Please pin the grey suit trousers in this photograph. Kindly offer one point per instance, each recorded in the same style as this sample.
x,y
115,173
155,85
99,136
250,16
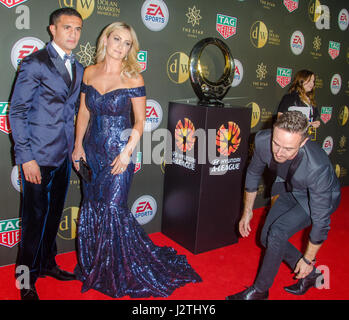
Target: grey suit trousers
x,y
285,218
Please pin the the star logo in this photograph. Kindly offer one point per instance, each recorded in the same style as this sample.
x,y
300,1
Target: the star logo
x,y
261,71
86,54
193,16
342,141
317,43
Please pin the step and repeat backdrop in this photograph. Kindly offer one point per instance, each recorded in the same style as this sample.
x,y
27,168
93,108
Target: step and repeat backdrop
x,y
270,41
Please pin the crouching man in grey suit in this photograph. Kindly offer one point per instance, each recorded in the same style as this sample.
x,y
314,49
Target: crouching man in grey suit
x,y
308,193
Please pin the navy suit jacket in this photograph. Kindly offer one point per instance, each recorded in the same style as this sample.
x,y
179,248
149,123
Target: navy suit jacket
x,y
311,179
42,108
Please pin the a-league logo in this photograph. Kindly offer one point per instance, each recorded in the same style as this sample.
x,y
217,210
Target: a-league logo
x,y
283,76
226,25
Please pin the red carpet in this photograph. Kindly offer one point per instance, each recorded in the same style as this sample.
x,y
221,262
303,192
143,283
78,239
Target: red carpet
x,y
224,271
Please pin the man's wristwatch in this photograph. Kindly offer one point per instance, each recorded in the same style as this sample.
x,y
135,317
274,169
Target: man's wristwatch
x,y
308,262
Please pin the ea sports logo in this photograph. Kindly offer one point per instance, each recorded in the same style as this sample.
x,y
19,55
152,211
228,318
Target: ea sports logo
x,y
228,138
153,115
155,14
24,47
184,135
327,145
144,209
343,19
16,178
297,42
239,73
336,83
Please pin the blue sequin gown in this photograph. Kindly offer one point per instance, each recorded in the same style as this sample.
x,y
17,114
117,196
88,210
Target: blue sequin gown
x,y
115,255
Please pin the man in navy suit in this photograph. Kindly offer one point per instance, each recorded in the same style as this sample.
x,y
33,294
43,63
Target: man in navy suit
x,y
308,193
42,122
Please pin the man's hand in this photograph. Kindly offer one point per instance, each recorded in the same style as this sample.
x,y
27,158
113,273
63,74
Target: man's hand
x,y
302,269
32,172
244,224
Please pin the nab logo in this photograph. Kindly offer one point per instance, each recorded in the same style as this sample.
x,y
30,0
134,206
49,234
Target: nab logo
x,y
24,47
259,34
144,209
84,7
155,14
177,67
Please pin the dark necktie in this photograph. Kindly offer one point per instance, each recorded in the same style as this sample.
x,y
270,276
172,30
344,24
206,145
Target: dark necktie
x,y
69,57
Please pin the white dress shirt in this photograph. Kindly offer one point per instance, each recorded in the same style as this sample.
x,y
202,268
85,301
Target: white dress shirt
x,y
61,53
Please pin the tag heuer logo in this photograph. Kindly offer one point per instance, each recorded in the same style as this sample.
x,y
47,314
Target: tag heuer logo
x,y
226,25
283,76
138,163
333,49
142,58
11,3
291,5
4,121
10,232
326,113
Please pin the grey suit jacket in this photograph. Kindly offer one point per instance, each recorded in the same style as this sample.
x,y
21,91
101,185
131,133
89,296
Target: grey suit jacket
x,y
311,179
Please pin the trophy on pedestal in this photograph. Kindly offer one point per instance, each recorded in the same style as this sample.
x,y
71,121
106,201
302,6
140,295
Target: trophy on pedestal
x,y
210,92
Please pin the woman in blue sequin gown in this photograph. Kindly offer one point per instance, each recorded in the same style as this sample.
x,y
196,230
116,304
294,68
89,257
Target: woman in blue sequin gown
x,y
115,255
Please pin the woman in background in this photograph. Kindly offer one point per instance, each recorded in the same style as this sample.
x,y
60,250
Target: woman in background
x,y
301,97
115,255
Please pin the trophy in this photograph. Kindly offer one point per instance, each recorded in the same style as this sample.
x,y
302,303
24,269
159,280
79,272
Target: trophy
x,y
210,92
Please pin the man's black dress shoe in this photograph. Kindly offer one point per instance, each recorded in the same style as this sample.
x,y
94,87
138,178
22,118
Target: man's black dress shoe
x,y
58,274
29,294
249,294
303,285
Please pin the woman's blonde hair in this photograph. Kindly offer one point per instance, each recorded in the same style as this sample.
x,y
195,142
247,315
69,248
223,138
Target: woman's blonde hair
x,y
300,78
130,66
